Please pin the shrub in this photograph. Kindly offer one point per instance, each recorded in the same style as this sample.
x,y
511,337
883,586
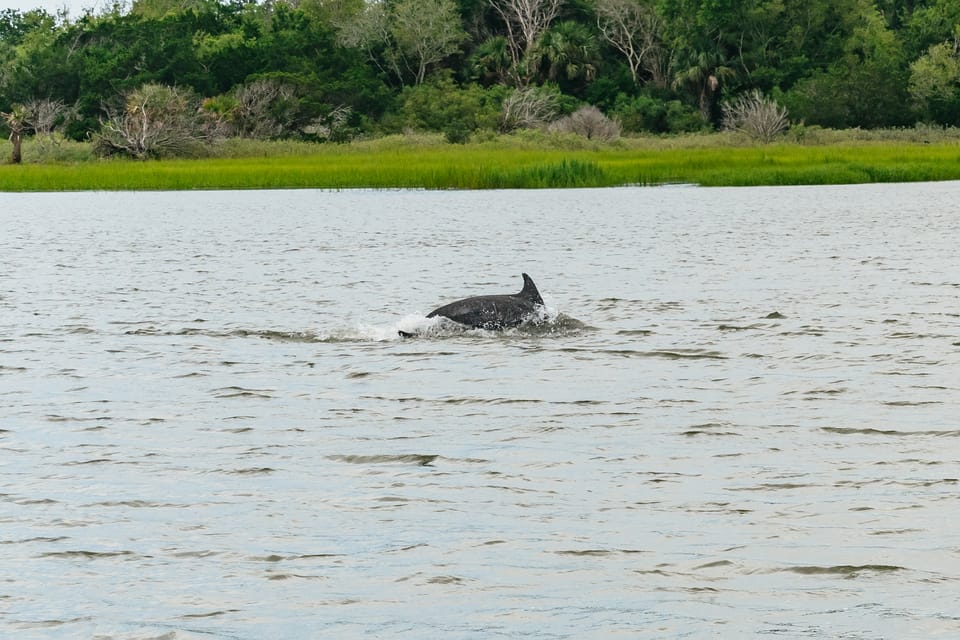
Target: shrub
x,y
528,108
441,105
682,118
649,113
589,122
156,121
755,115
267,107
641,113
332,127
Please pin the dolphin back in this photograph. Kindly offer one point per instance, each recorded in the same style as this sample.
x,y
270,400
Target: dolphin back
x,y
494,312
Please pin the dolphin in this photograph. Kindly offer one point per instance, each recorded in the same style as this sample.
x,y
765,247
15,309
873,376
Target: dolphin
x,y
492,312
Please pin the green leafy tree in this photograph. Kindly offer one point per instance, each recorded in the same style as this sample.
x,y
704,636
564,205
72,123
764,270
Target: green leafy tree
x,y
32,58
935,82
653,63
333,12
407,38
156,9
898,12
228,57
697,30
369,31
440,105
112,55
931,23
866,86
703,73
425,32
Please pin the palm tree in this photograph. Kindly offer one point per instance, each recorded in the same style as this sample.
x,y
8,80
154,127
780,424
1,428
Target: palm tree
x,y
17,122
491,61
703,74
569,51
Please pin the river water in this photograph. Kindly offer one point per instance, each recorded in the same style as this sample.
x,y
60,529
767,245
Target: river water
x,y
740,418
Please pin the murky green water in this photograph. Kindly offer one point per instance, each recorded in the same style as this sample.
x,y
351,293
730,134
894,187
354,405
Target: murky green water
x,y
743,419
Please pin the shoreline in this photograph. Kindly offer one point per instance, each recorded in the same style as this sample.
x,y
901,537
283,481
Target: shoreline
x,y
526,162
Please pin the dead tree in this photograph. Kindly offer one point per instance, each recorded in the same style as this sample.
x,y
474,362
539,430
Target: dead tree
x,y
525,20
527,108
635,30
156,121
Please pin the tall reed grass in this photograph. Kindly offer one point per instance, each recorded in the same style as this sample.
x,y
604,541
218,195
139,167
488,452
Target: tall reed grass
x,y
525,161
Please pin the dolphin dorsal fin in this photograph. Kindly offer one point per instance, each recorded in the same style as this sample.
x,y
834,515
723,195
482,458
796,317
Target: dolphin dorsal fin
x,y
529,291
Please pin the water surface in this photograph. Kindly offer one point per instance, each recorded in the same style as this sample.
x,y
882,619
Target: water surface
x,y
741,418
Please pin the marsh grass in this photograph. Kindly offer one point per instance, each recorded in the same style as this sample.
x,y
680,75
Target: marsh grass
x,y
529,160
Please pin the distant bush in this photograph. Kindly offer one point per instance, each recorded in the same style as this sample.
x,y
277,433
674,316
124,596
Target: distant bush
x,y
441,105
647,113
920,133
528,108
537,139
156,121
55,148
641,113
267,107
755,115
251,148
682,118
589,122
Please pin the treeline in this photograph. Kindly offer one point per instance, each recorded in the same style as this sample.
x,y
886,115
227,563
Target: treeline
x,y
336,69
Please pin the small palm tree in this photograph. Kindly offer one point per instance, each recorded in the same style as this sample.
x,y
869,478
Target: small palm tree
x,y
18,122
703,74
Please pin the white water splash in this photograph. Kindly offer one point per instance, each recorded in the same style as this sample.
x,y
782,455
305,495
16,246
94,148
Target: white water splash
x,y
415,324
420,325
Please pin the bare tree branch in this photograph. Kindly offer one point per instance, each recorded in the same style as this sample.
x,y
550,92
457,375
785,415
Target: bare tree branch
x,y
43,114
525,20
634,28
267,108
527,108
156,121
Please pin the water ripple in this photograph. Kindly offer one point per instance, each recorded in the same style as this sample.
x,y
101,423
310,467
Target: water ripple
x,y
739,407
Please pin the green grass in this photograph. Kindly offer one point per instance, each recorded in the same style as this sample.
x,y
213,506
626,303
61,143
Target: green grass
x,y
526,161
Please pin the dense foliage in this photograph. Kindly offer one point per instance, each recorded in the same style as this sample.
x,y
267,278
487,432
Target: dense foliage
x,y
334,69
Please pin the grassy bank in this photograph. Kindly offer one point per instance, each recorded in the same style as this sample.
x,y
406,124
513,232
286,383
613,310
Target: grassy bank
x,y
503,162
